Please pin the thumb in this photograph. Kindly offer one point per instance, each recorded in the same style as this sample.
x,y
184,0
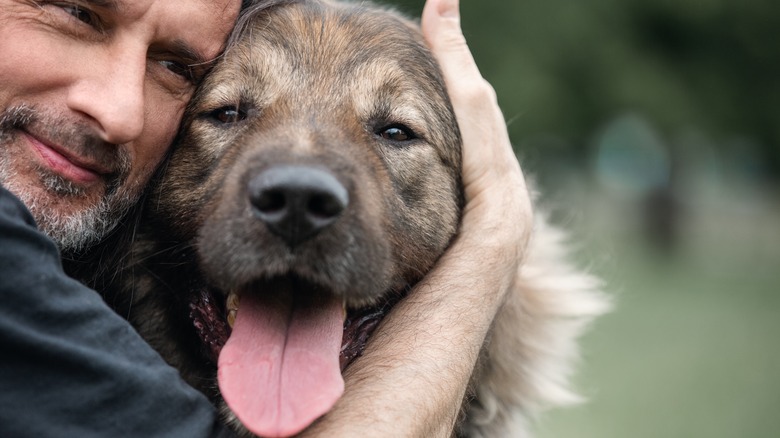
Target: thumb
x,y
486,147
492,179
441,29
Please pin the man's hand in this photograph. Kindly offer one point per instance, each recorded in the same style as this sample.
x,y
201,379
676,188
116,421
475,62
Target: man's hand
x,y
496,194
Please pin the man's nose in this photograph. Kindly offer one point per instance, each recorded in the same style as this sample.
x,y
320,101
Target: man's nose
x,y
110,90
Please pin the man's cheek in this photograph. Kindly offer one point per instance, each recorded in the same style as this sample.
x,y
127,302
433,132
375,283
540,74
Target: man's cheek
x,y
161,127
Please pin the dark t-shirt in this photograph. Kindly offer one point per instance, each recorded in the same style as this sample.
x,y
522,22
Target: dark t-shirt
x,y
69,365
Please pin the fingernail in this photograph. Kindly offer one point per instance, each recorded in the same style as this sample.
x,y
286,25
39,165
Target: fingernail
x,y
448,8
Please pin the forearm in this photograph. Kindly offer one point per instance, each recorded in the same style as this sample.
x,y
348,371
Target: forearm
x,y
71,366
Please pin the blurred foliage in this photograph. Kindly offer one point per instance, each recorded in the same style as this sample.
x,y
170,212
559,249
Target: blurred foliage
x,y
564,68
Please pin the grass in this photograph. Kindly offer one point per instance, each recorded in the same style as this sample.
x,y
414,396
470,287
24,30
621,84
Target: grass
x,y
692,348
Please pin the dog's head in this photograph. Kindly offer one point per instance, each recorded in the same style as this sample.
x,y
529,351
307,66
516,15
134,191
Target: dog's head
x,y
319,168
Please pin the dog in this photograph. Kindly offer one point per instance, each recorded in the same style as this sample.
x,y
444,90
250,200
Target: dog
x,y
315,181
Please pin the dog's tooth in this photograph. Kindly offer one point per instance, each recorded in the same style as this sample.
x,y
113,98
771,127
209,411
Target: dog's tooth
x,y
231,317
232,301
232,308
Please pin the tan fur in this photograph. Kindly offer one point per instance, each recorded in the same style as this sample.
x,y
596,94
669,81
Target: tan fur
x,y
533,347
317,82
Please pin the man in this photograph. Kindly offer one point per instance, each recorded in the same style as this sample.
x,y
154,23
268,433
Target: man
x,y
91,94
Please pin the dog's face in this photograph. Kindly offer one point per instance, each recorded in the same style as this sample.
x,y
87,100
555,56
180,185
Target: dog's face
x,y
318,169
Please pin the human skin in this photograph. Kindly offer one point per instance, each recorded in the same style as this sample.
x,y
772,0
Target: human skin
x,y
413,376
92,94
75,77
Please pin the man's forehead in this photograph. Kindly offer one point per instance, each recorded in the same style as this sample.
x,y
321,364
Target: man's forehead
x,y
122,5
223,13
207,12
194,27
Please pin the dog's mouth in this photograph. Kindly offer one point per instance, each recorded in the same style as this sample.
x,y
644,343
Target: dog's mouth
x,y
280,346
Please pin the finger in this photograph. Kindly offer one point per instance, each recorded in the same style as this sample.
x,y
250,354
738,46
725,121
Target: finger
x,y
486,145
441,29
491,173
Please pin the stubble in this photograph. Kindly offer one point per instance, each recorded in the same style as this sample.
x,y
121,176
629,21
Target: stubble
x,y
62,209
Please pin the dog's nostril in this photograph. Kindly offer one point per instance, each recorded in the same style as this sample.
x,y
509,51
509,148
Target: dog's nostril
x,y
297,202
325,206
270,201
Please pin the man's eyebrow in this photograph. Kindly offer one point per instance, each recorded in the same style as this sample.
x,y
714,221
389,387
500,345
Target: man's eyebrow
x,y
187,53
105,4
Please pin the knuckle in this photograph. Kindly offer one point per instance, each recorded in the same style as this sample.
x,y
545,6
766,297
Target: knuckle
x,y
478,93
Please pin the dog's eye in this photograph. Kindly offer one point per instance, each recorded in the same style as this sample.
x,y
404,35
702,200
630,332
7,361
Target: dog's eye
x,y
228,114
397,133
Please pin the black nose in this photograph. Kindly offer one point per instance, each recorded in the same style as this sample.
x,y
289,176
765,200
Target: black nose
x,y
297,202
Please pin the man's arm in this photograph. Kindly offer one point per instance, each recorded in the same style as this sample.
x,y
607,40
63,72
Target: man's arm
x,y
70,366
413,376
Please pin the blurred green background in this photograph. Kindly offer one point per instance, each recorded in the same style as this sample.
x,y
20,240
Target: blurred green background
x,y
653,129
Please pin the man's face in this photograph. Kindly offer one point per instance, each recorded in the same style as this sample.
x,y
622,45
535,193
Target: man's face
x,y
91,95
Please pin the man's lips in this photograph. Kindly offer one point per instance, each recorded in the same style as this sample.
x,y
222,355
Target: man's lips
x,y
65,163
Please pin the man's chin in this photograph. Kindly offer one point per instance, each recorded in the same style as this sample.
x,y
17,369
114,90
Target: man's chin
x,y
78,230
75,212
73,217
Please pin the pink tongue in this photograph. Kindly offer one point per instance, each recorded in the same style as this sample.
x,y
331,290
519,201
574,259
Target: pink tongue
x,y
279,370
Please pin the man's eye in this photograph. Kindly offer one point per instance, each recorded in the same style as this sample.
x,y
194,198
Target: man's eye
x,y
79,13
180,69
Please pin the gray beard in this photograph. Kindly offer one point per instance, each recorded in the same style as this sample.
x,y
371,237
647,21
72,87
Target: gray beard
x,y
72,232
